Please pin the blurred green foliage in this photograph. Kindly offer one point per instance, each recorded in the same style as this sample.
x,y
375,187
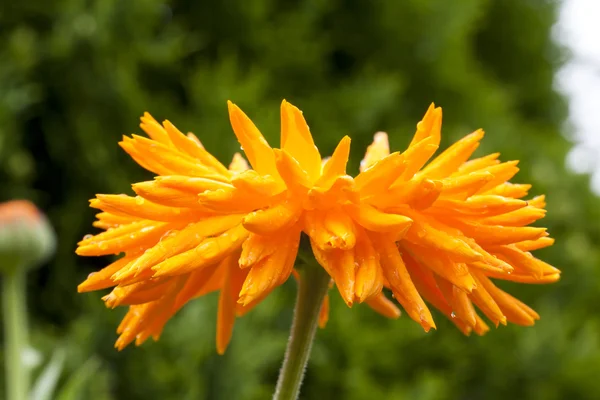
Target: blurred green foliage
x,y
76,74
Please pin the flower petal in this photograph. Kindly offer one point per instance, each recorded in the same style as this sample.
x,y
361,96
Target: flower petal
x,y
209,251
430,126
382,305
255,146
376,151
399,279
336,165
452,158
297,140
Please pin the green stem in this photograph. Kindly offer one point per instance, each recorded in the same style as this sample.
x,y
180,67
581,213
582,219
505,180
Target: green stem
x,y
15,334
312,287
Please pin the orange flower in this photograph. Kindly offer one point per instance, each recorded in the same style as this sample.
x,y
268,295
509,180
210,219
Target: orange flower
x,y
164,228
440,231
469,224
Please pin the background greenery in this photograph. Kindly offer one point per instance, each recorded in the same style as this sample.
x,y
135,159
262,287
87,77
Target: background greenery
x,y
76,74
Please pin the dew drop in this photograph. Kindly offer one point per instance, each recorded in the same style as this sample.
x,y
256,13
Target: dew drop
x,y
88,237
453,315
91,274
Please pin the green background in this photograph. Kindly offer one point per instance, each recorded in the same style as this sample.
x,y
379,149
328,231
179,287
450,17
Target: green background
x,y
76,74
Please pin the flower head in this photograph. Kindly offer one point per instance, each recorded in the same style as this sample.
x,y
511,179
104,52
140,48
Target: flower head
x,y
26,237
435,232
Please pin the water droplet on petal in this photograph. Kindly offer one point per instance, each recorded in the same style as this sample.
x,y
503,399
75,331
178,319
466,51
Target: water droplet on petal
x,y
88,236
453,315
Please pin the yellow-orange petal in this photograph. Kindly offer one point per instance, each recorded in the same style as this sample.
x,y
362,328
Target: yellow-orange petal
x,y
459,301
272,270
340,229
194,149
341,191
425,282
101,279
452,158
538,201
111,219
190,184
478,164
486,303
179,241
154,129
331,229
464,186
336,165
140,235
369,276
430,126
374,220
171,159
231,200
502,173
525,278
270,220
226,309
340,265
297,140
238,163
497,234
417,155
382,305
439,262
400,282
379,176
167,196
130,208
137,293
518,259
252,182
507,189
200,283
295,177
424,234
531,245
324,312
209,251
255,146
256,248
514,310
480,205
376,151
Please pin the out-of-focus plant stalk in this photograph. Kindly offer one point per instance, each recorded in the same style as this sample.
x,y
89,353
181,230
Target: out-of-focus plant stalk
x,y
15,334
312,288
26,241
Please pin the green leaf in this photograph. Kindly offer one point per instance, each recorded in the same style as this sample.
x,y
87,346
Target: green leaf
x,y
45,385
74,388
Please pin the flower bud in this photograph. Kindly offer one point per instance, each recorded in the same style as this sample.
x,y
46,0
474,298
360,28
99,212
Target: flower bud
x,y
26,237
